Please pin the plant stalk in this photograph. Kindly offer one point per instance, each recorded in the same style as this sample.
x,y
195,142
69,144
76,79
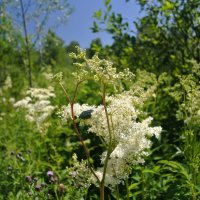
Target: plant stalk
x,y
27,45
102,187
86,151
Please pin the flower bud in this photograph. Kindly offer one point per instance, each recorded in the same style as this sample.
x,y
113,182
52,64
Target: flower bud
x,y
38,187
28,179
50,174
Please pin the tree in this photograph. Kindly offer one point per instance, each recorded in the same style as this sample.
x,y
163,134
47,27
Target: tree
x,y
9,49
177,26
71,47
167,35
53,50
32,17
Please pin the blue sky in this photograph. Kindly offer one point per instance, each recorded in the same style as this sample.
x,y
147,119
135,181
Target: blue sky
x,y
78,26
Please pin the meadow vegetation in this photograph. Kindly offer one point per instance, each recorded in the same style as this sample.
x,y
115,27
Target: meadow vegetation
x,y
119,121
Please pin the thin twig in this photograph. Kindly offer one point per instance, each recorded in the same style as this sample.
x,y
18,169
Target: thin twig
x,y
26,44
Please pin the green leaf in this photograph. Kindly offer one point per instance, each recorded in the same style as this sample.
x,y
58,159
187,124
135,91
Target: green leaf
x,y
167,6
150,171
134,186
109,8
176,167
95,27
98,14
106,2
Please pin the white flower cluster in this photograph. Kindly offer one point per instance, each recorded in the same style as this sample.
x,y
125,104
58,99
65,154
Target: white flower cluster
x,y
187,94
130,139
104,71
38,106
5,97
7,85
121,113
98,69
130,149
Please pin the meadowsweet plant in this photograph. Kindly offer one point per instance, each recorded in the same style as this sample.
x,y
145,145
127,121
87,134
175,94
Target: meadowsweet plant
x,y
189,109
80,174
6,100
38,106
187,94
125,138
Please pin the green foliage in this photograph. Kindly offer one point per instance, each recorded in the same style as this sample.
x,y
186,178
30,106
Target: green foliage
x,y
164,54
53,51
167,37
37,15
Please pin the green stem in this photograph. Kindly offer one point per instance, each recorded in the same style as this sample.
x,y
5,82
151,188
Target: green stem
x,y
117,192
65,92
109,145
127,189
102,191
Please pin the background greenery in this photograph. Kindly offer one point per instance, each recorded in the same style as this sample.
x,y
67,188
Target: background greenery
x,y
165,52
